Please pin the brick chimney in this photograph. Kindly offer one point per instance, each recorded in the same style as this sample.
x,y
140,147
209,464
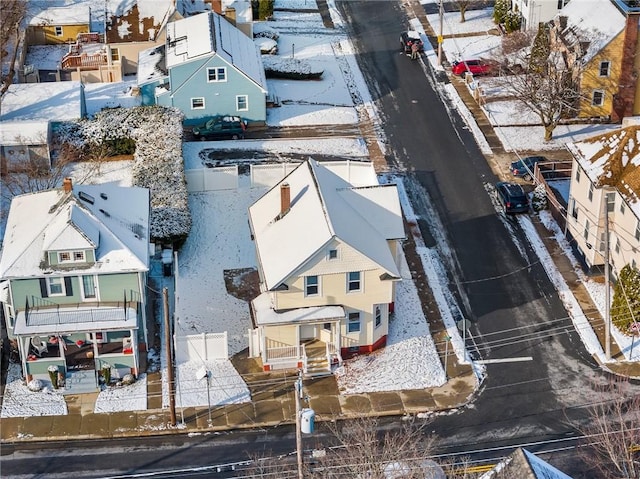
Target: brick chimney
x,y
67,185
285,199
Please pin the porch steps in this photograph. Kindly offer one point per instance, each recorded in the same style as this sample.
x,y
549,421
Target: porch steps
x,y
317,364
80,382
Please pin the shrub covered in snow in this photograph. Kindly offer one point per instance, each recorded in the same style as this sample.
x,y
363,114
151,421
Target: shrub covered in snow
x,y
291,68
158,163
262,30
539,200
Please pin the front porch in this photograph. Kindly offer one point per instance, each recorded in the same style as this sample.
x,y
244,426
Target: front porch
x,y
304,338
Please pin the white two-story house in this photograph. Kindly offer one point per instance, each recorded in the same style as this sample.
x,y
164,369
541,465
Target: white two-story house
x,y
327,239
605,183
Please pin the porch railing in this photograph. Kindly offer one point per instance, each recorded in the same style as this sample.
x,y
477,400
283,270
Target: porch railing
x,y
284,352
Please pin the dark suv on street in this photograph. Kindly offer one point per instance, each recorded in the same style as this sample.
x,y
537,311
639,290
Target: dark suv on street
x,y
512,197
221,127
407,39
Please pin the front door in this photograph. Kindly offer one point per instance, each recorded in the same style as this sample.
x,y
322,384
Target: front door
x,y
307,332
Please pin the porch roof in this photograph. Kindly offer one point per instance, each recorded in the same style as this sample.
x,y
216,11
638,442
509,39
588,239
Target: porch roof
x,y
265,315
75,320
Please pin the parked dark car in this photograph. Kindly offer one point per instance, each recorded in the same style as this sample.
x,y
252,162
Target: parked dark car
x,y
512,197
221,127
477,67
407,39
524,167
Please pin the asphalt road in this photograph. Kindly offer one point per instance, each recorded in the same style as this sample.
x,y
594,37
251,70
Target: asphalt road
x,y
499,284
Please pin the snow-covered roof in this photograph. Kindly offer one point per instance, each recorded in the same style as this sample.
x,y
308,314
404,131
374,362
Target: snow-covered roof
x,y
69,15
24,133
244,13
55,101
594,21
113,219
266,315
522,463
613,159
137,20
337,200
151,64
210,34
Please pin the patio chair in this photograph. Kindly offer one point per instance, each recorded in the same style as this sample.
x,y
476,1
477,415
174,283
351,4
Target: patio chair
x,y
39,346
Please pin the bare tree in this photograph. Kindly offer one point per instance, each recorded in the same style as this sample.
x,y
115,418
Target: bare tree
x,y
612,435
462,6
360,450
36,173
12,14
550,91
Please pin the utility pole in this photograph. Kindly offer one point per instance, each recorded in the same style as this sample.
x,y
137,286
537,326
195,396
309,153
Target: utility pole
x,y
447,338
607,292
298,425
167,342
440,36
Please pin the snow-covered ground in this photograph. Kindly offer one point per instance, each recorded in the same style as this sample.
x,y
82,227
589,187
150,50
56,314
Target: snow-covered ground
x,y
220,219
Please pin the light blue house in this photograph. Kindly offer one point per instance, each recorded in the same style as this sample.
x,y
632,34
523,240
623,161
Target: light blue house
x,y
74,278
207,67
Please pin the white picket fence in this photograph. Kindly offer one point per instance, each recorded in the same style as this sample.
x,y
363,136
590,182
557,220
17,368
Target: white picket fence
x,y
201,347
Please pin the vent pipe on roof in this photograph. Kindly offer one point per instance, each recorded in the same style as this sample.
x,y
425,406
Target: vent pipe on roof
x,y
67,185
285,199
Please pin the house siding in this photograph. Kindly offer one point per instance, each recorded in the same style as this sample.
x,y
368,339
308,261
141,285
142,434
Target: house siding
x,y
591,81
189,80
622,226
46,34
111,288
129,51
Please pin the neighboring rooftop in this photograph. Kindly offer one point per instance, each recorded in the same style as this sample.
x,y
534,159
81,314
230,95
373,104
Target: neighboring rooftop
x,y
597,22
69,15
54,101
112,219
613,159
210,34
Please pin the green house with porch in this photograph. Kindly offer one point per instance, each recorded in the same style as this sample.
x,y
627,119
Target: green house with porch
x,y
74,276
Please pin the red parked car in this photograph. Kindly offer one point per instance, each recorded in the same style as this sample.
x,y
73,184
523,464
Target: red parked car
x,y
477,67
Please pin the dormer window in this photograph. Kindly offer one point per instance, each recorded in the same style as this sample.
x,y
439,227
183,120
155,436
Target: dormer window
x,y
71,257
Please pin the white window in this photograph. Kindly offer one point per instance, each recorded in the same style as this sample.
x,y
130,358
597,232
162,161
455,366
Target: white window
x,y
197,103
605,68
574,208
586,230
622,207
377,313
577,174
353,326
591,192
58,31
217,74
618,245
311,286
55,286
71,256
242,102
611,202
638,231
115,54
89,290
333,254
598,98
353,281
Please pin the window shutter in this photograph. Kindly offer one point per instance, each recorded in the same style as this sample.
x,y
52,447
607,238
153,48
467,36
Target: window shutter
x,y
67,286
43,288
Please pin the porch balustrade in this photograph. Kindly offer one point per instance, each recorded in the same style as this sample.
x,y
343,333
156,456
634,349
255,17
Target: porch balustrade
x,y
84,60
41,312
